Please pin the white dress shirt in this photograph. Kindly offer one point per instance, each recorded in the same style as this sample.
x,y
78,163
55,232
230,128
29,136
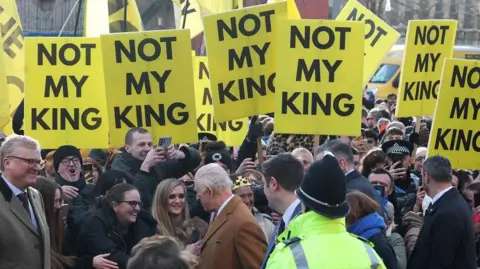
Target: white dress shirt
x,y
16,191
440,194
287,216
224,205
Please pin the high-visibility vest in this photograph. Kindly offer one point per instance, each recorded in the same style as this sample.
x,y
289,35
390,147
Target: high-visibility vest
x,y
322,243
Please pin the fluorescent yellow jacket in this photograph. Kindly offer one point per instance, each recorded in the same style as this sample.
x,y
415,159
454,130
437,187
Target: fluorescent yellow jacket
x,y
317,242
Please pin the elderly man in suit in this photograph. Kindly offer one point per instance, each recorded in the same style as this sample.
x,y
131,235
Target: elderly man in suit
x,y
447,237
234,240
24,235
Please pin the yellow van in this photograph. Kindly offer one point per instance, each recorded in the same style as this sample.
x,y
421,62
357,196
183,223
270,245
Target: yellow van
x,y
387,77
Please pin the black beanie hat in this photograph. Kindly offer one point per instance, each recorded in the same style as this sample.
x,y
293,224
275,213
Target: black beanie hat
x,y
217,152
63,152
324,188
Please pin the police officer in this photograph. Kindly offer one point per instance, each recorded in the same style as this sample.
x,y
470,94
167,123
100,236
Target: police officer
x,y
318,238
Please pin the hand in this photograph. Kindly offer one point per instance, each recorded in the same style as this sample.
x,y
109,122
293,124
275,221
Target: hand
x,y
397,173
175,154
70,191
255,129
476,211
154,156
275,217
99,262
194,248
246,166
420,196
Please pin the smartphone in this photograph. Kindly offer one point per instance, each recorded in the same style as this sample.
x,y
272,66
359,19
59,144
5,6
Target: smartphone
x,y
397,158
165,141
196,236
64,210
380,189
476,197
87,168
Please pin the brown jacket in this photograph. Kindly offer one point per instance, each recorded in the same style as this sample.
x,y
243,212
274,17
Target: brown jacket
x,y
234,240
22,246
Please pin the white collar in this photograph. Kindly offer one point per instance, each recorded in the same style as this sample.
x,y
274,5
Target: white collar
x,y
224,205
440,194
287,216
16,191
351,170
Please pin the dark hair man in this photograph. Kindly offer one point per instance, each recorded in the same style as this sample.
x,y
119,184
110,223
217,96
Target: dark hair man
x,y
147,165
447,237
344,155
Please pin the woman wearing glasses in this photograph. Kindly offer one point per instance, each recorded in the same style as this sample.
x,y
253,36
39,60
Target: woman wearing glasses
x,y
117,226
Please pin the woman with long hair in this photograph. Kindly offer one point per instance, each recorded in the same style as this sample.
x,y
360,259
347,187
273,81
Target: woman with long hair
x,y
52,197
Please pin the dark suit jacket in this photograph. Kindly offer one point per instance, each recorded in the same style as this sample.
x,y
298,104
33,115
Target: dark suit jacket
x,y
446,239
356,181
22,246
234,240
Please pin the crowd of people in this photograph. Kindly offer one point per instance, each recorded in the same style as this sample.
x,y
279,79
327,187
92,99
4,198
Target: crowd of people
x,y
372,201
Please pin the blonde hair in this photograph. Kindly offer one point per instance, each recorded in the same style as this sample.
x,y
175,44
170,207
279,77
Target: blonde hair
x,y
160,252
160,207
13,142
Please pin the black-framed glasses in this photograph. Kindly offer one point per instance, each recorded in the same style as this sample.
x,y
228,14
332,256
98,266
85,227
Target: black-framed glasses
x,y
133,204
30,162
67,161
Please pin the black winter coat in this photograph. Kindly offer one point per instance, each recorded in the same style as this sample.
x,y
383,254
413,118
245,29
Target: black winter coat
x,y
100,235
384,250
146,183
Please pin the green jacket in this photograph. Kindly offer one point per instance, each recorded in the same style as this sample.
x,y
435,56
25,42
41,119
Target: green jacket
x,y
315,241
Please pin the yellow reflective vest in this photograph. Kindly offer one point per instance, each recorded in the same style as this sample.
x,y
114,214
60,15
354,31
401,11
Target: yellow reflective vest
x,y
317,242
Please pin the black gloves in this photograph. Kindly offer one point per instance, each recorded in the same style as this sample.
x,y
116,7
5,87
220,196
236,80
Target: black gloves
x,y
255,129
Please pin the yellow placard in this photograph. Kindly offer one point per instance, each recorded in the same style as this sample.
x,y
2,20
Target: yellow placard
x,y
149,84
428,44
379,36
13,57
319,88
455,130
241,48
231,132
191,17
116,14
4,102
65,96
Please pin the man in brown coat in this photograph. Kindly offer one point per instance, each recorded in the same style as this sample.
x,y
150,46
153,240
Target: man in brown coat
x,y
234,240
24,234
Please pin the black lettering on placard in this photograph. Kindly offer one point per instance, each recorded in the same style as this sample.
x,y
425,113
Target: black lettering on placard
x,y
419,90
62,85
203,70
471,77
422,61
371,26
430,34
246,88
246,56
14,38
207,97
307,37
460,140
148,116
312,103
233,28
52,56
303,69
186,9
133,50
61,119
212,126
144,82
459,111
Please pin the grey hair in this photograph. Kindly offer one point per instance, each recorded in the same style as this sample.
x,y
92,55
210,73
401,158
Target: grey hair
x,y
438,168
214,176
297,151
13,142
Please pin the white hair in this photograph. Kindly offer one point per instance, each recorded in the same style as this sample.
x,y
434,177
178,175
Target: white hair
x,y
299,151
421,150
15,141
214,176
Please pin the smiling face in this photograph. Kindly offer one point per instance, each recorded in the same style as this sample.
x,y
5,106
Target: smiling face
x,y
127,209
70,168
22,166
246,194
176,201
140,146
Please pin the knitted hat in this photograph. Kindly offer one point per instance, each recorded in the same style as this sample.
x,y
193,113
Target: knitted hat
x,y
324,188
64,152
217,152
